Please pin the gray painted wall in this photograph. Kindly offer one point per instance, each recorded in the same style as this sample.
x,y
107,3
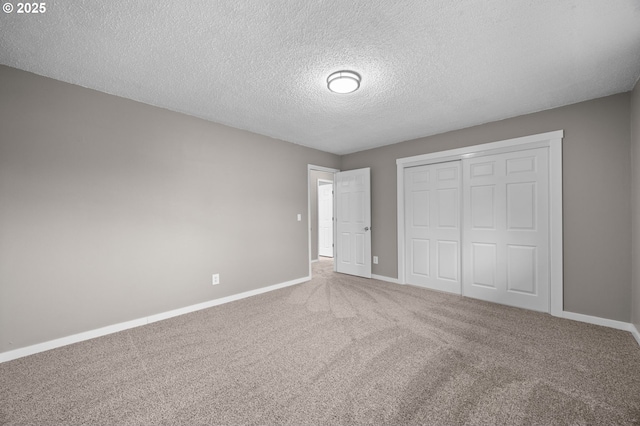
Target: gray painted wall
x,y
597,194
313,196
635,185
112,210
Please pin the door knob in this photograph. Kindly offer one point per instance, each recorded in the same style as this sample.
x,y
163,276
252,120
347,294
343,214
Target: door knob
x,y
366,228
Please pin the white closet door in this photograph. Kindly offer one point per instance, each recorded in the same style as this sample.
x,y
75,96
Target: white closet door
x,y
432,226
506,228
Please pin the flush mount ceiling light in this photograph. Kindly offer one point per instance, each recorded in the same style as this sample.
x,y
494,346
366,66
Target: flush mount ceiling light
x,y
343,81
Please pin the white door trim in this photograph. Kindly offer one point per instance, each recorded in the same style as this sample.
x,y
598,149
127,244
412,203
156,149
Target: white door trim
x,y
553,140
319,169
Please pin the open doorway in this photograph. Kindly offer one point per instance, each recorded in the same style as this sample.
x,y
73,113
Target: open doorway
x,y
325,219
321,213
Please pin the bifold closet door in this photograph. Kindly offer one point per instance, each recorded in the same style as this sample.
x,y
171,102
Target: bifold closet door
x,y
432,226
506,228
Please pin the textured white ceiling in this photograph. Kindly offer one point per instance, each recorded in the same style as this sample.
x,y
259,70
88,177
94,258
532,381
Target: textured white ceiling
x,y
427,66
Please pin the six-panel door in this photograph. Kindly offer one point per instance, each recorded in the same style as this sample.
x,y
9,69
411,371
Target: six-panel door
x,y
432,221
506,228
353,206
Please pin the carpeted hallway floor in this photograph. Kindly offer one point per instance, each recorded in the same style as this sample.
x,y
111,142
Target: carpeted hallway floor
x,y
336,350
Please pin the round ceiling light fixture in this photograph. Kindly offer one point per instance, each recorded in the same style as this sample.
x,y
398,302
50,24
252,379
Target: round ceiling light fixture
x,y
344,81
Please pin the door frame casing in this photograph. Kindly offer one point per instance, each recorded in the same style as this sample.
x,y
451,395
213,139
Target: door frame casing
x,y
552,140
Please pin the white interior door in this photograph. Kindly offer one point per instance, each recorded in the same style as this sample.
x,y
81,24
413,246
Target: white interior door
x,y
353,222
325,218
432,226
506,228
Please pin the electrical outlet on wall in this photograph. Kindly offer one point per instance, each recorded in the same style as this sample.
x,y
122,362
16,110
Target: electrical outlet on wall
x,y
375,260
215,279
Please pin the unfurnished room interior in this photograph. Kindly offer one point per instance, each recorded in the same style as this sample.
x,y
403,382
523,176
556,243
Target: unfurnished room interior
x,y
324,212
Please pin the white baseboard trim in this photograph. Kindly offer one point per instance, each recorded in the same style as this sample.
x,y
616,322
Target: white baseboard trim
x,y
383,278
620,325
635,333
68,340
103,331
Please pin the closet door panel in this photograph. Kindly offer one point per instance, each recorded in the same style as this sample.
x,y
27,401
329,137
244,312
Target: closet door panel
x,y
506,228
432,226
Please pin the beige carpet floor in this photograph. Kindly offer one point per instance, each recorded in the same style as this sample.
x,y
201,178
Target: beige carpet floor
x,y
336,350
